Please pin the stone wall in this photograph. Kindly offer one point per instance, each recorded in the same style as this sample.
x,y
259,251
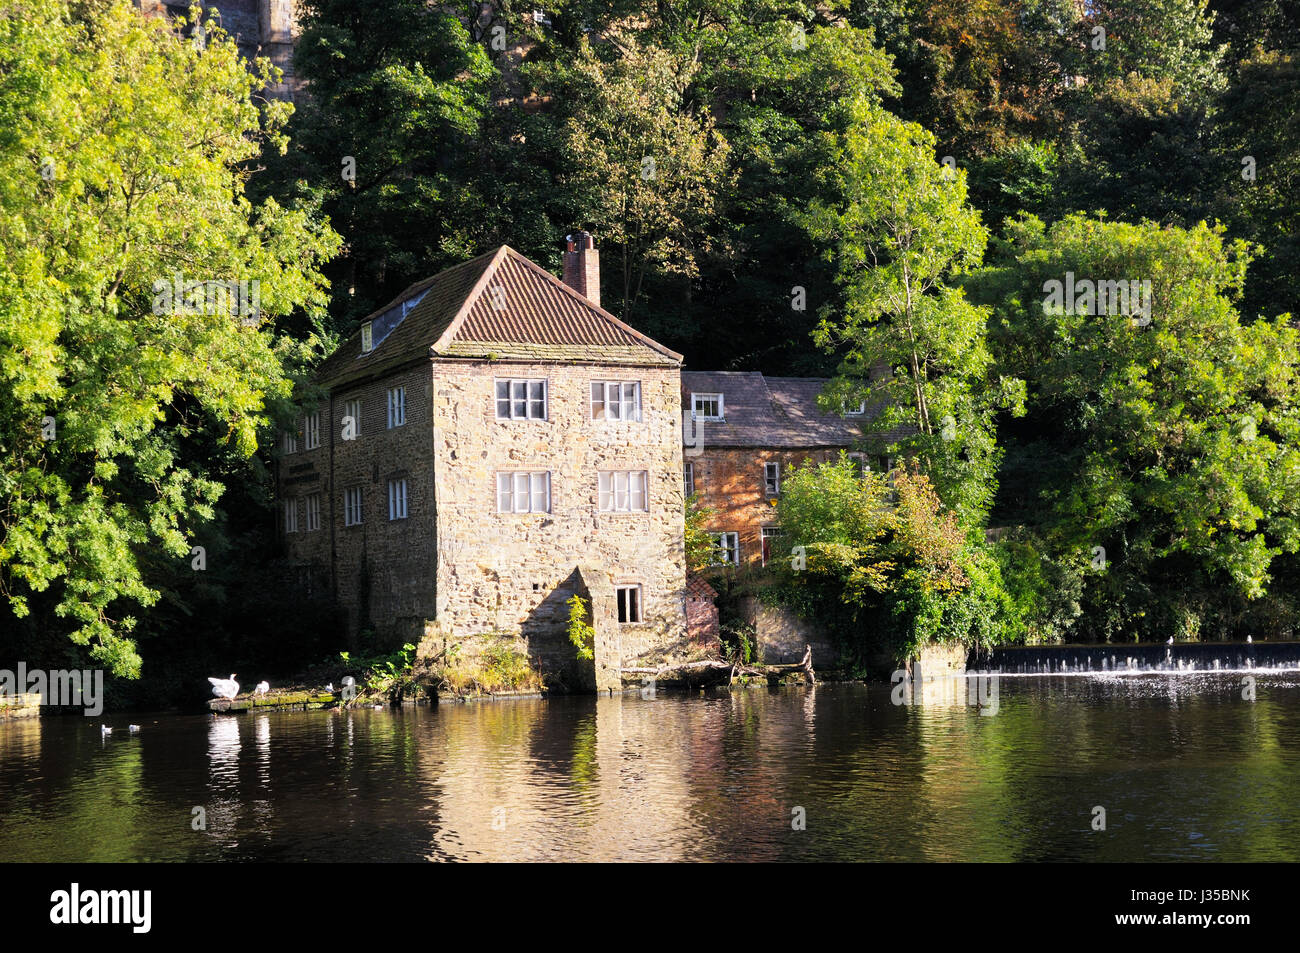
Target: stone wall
x,y
267,28
782,636
383,571
513,573
730,482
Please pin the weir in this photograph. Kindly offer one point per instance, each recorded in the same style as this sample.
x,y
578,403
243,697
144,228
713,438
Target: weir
x,y
1140,657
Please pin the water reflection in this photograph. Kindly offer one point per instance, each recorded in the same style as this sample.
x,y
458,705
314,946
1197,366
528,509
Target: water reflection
x,y
1185,766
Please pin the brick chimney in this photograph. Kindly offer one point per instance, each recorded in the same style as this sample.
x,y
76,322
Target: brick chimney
x,y
582,266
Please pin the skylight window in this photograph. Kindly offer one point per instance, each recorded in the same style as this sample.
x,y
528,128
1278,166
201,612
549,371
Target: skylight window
x,y
387,322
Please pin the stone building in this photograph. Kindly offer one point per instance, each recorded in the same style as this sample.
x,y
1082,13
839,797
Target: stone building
x,y
489,443
745,432
265,28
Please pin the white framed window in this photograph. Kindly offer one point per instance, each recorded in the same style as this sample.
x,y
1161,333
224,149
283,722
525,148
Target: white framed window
x,y
397,499
688,477
367,336
521,399
859,411
706,406
396,407
629,604
289,442
770,535
874,462
352,506
726,549
313,511
524,492
624,491
291,515
615,400
311,431
352,409
772,479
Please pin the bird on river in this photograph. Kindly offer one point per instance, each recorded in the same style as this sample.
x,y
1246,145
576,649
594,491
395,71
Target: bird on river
x,y
134,729
1249,640
1169,641
225,687
329,687
105,730
262,688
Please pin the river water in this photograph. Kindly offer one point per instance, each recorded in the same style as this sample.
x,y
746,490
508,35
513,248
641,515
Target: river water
x,y
1184,767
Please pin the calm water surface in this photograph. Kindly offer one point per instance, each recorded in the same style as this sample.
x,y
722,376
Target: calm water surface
x,y
1185,769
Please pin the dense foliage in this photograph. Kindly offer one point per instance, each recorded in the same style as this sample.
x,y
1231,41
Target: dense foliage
x,y
871,190
124,407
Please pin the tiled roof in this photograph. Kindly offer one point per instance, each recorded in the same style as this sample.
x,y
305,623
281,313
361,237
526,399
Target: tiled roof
x,y
498,306
698,588
771,412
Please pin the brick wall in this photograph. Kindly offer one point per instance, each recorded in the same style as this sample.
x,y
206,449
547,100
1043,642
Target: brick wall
x,y
730,482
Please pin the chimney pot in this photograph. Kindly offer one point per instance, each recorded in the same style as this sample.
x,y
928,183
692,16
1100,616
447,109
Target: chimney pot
x,y
582,266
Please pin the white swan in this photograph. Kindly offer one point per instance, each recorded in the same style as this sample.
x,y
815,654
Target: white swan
x,y
133,728
105,730
1249,640
1169,641
225,687
262,688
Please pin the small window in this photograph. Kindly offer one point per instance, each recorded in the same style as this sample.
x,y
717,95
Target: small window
x,y
352,506
366,338
875,462
629,604
726,549
706,406
397,499
311,431
859,411
313,511
771,479
524,492
770,536
623,491
289,442
396,407
689,479
291,516
616,400
352,418
521,399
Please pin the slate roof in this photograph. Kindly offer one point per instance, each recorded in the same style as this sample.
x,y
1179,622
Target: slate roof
x,y
776,412
499,306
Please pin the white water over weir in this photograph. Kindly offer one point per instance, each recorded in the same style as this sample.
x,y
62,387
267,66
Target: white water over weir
x,y
1139,658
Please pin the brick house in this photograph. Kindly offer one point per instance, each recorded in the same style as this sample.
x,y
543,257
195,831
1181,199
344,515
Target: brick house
x,y
489,443
746,431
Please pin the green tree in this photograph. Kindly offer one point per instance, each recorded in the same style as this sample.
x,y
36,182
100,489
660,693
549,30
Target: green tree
x,y
899,228
387,143
1167,451
124,159
881,563
644,168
